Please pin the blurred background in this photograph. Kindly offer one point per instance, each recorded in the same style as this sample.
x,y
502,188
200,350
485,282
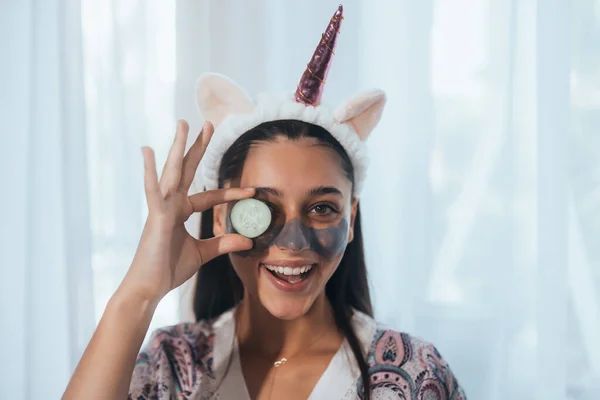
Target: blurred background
x,y
481,210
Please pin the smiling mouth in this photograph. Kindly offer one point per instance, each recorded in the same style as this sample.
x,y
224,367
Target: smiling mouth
x,y
290,274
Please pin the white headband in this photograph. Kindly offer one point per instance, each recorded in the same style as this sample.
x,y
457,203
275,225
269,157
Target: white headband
x,y
225,104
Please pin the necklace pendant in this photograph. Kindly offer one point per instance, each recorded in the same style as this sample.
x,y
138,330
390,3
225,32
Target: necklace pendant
x,y
279,363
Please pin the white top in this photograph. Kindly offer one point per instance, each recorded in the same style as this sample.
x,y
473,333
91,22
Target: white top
x,y
338,379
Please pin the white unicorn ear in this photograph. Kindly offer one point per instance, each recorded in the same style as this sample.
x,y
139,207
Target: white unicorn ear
x,y
362,111
218,96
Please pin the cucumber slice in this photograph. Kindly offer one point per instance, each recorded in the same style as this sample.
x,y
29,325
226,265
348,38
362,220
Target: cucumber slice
x,y
250,217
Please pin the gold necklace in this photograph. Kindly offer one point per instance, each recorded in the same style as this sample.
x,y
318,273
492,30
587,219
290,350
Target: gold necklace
x,y
283,360
277,363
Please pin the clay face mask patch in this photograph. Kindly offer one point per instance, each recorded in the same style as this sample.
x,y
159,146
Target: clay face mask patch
x,y
327,242
297,236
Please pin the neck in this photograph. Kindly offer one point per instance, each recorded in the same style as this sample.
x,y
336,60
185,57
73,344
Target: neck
x,y
260,332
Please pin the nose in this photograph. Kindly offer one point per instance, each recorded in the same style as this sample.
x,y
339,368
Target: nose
x,y
294,236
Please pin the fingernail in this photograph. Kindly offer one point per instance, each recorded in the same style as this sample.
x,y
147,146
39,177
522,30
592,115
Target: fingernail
x,y
249,189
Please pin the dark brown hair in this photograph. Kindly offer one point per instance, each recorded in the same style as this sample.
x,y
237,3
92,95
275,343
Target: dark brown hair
x,y
218,288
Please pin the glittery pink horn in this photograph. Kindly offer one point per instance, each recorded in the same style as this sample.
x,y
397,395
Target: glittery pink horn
x,y
311,84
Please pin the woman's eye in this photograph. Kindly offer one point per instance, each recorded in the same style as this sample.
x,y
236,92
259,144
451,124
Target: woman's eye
x,y
323,210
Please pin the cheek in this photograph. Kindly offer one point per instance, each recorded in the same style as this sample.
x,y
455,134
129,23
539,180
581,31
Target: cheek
x,y
329,267
260,244
332,241
264,241
245,268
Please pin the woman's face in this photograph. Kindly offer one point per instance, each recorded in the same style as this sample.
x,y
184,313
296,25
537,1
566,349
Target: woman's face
x,y
312,222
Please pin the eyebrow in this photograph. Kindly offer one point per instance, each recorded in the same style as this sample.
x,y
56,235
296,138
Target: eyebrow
x,y
263,191
318,191
323,190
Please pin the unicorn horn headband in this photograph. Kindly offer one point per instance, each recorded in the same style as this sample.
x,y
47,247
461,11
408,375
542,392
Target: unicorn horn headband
x,y
233,112
310,88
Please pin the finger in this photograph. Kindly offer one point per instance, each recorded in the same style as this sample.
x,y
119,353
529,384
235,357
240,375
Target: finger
x,y
214,247
205,200
171,173
194,155
151,186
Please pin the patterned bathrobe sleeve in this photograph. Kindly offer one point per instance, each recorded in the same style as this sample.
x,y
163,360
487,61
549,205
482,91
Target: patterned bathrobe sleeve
x,y
144,385
172,365
436,375
410,368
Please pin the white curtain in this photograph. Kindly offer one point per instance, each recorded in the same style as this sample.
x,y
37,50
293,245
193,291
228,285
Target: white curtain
x,y
481,213
84,85
45,286
129,59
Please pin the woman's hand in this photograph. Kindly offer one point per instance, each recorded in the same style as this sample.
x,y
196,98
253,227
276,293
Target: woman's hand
x,y
167,254
166,257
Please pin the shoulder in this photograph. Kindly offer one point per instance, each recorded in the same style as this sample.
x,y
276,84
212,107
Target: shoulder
x,y
187,338
402,363
175,360
182,346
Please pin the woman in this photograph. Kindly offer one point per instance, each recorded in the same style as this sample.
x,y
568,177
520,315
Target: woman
x,y
287,314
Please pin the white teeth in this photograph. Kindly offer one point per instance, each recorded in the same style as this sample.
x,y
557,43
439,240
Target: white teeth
x,y
289,270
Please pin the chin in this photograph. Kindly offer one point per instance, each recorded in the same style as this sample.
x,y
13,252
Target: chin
x,y
287,309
